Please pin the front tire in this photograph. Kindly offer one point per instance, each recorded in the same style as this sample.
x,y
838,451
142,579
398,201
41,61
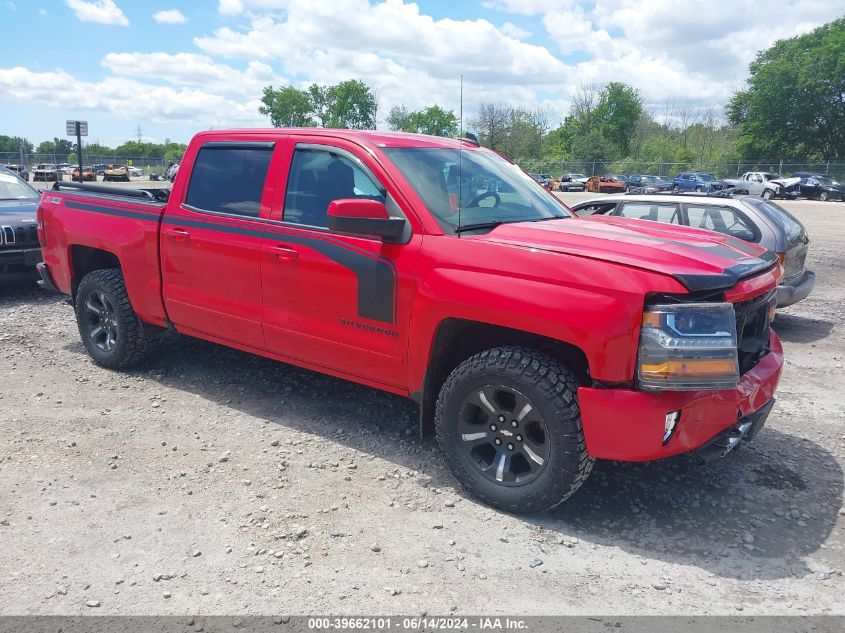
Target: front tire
x,y
110,330
823,196
768,194
676,189
509,425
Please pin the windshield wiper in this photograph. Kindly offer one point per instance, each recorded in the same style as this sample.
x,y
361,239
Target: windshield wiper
x,y
481,225
494,223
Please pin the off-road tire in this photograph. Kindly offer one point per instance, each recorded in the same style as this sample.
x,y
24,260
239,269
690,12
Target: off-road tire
x,y
131,343
552,388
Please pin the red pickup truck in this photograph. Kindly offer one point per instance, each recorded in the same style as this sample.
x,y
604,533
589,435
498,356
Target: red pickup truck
x,y
534,341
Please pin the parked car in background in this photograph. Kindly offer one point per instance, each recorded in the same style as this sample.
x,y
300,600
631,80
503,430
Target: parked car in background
x,y
749,218
170,174
134,172
100,169
565,183
543,179
696,181
116,173
619,177
88,174
19,249
20,170
647,184
604,184
764,184
819,186
576,177
46,172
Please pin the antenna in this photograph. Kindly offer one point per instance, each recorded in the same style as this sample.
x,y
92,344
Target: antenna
x,y
460,157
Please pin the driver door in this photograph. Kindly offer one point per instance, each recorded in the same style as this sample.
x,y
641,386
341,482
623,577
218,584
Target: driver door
x,y
336,300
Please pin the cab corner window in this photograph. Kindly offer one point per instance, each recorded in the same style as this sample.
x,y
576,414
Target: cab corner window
x,y
229,180
317,177
720,219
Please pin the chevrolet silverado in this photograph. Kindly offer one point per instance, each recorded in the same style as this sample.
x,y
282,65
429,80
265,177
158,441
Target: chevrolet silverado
x,y
534,341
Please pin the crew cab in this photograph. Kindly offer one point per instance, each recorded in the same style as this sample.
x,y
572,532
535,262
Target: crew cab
x,y
534,341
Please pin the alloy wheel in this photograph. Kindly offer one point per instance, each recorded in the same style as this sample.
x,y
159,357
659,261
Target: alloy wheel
x,y
101,320
503,434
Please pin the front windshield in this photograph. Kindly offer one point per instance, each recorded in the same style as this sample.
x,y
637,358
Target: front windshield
x,y
771,176
706,177
829,182
486,188
13,188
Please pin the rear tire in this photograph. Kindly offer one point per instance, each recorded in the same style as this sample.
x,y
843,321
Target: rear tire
x,y
110,330
522,447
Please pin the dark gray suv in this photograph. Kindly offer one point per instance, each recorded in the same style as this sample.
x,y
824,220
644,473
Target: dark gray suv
x,y
748,218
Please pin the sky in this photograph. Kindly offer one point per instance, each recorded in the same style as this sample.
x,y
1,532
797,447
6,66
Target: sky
x,y
174,67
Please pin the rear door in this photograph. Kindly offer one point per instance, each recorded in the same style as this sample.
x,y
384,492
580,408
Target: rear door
x,y
336,300
211,242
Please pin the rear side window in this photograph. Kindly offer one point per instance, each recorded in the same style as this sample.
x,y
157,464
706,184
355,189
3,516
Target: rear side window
x,y
229,179
792,228
721,220
656,212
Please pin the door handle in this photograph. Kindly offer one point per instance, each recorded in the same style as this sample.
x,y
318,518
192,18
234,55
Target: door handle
x,y
178,235
284,254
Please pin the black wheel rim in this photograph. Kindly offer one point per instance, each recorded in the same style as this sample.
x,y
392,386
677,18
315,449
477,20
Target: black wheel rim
x,y
101,321
503,435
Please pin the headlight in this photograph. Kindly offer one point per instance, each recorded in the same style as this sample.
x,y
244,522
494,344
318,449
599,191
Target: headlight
x,y
687,347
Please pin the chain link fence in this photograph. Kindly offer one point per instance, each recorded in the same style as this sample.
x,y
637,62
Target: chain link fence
x,y
671,169
147,164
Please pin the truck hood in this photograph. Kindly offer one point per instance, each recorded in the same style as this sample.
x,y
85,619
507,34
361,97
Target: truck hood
x,y
13,212
700,260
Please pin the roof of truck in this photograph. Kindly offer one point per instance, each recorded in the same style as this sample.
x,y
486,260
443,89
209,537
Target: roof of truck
x,y
380,138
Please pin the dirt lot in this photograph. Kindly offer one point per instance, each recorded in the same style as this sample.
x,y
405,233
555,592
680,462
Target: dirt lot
x,y
214,482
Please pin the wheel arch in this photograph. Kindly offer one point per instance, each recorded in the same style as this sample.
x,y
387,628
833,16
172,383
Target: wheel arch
x,y
456,340
85,259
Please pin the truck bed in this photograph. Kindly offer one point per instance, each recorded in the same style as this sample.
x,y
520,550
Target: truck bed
x,y
83,223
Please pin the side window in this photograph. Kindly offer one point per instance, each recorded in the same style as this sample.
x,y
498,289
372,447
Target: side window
x,y
317,177
593,209
720,219
229,179
657,212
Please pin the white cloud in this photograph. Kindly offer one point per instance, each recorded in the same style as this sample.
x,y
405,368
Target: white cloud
x,y
192,70
170,16
100,11
10,5
230,7
516,32
406,56
128,99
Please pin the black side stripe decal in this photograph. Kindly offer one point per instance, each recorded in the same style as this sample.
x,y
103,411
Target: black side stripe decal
x,y
377,277
71,204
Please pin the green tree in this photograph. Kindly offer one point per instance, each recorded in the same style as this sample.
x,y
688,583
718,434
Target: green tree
x,y
794,103
618,112
14,144
348,104
287,107
60,147
433,120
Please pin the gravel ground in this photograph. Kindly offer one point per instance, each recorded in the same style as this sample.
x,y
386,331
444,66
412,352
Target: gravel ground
x,y
211,481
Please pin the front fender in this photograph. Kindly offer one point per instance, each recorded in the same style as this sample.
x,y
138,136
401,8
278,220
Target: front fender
x,y
593,305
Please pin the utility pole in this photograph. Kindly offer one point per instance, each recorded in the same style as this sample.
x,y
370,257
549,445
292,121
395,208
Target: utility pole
x,y
140,136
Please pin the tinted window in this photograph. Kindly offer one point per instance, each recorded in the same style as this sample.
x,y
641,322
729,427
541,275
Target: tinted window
x,y
720,219
229,179
656,212
317,177
792,228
